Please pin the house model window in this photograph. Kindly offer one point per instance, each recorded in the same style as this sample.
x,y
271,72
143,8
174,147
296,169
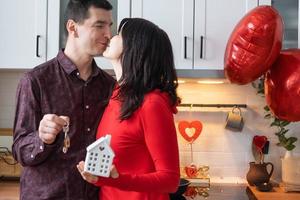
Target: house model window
x,y
99,157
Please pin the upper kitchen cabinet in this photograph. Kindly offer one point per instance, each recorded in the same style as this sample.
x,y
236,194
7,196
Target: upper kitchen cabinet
x,y
23,33
289,10
198,29
33,31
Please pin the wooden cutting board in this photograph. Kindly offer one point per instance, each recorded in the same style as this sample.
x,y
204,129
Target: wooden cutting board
x,y
276,194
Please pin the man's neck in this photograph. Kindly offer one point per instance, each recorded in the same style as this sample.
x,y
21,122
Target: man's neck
x,y
82,62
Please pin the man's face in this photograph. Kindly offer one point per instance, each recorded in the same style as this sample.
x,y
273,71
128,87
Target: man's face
x,y
95,32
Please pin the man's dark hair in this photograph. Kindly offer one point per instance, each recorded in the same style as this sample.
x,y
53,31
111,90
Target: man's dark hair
x,y
147,64
77,10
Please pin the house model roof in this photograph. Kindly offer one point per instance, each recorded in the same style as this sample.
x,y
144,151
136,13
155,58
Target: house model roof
x,y
105,140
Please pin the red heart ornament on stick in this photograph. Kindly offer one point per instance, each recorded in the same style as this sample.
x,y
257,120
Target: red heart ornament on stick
x,y
191,171
190,131
259,142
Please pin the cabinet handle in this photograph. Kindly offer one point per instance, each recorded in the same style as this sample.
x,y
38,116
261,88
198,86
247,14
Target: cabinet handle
x,y
201,47
37,46
185,40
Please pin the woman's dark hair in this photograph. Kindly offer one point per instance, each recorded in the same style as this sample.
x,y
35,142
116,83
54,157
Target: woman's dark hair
x,y
77,10
147,64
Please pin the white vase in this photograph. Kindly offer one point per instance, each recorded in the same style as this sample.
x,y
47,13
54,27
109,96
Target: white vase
x,y
291,168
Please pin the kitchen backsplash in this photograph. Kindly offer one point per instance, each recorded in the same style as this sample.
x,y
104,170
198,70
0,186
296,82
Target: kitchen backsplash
x,y
227,153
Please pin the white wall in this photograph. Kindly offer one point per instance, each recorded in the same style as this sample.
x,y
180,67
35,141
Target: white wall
x,y
227,153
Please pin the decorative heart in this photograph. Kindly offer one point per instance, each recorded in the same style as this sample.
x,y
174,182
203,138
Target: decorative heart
x,y
259,141
191,191
190,131
101,148
191,171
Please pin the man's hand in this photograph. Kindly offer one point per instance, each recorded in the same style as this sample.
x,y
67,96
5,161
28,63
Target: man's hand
x,y
50,126
92,178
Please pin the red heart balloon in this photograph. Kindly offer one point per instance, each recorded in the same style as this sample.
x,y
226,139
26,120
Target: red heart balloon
x,y
259,142
282,86
253,45
190,131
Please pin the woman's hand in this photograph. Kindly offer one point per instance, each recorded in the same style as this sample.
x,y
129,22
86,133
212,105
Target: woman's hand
x,y
85,175
92,178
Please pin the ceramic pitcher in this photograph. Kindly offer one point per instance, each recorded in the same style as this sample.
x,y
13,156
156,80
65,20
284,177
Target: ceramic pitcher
x,y
258,173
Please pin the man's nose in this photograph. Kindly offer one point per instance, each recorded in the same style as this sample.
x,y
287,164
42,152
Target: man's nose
x,y
108,33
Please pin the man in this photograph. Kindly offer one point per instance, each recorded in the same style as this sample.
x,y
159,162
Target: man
x,y
69,89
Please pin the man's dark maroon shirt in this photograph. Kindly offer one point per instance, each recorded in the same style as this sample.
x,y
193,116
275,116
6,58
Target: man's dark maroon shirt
x,y
55,87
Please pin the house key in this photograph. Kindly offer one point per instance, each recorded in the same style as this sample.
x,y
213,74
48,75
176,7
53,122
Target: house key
x,y
67,138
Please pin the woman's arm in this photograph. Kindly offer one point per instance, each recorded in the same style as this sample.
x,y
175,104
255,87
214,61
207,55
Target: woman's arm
x,y
160,137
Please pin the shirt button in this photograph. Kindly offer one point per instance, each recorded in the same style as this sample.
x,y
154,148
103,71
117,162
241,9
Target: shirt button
x,y
88,129
31,156
87,107
41,147
77,74
85,84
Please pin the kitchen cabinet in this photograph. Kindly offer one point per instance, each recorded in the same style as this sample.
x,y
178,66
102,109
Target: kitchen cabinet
x,y
33,31
23,33
198,29
289,11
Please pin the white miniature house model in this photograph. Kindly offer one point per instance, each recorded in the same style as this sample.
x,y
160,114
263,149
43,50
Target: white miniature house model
x,y
99,157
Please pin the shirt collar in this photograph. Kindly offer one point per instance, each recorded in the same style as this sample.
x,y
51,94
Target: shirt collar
x,y
70,67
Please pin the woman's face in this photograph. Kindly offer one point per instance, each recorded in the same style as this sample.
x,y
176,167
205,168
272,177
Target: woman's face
x,y
114,52
115,48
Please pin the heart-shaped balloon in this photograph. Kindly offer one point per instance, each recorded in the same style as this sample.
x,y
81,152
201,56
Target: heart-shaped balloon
x,y
253,45
190,131
282,86
259,142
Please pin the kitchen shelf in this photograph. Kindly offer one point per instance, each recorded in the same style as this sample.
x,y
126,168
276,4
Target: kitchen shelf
x,y
6,132
213,105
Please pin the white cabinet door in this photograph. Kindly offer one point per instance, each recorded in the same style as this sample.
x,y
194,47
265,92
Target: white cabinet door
x,y
176,18
198,29
214,22
23,33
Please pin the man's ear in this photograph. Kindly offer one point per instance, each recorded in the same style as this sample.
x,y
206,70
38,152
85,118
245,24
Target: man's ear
x,y
71,27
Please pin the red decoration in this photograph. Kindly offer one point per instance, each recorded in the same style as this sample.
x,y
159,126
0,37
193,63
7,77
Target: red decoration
x,y
259,142
190,131
191,171
191,192
253,45
282,86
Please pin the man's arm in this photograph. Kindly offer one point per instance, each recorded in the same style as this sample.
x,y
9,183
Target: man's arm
x,y
28,148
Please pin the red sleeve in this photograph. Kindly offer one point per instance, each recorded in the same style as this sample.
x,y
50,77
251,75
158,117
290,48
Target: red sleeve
x,y
161,140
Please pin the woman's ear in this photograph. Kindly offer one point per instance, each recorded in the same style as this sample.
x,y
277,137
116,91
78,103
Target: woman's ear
x,y
71,27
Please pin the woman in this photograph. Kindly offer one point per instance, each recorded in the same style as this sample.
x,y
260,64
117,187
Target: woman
x,y
139,115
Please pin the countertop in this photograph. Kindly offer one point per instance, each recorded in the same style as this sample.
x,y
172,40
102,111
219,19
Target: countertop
x,y
277,193
217,191
9,190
